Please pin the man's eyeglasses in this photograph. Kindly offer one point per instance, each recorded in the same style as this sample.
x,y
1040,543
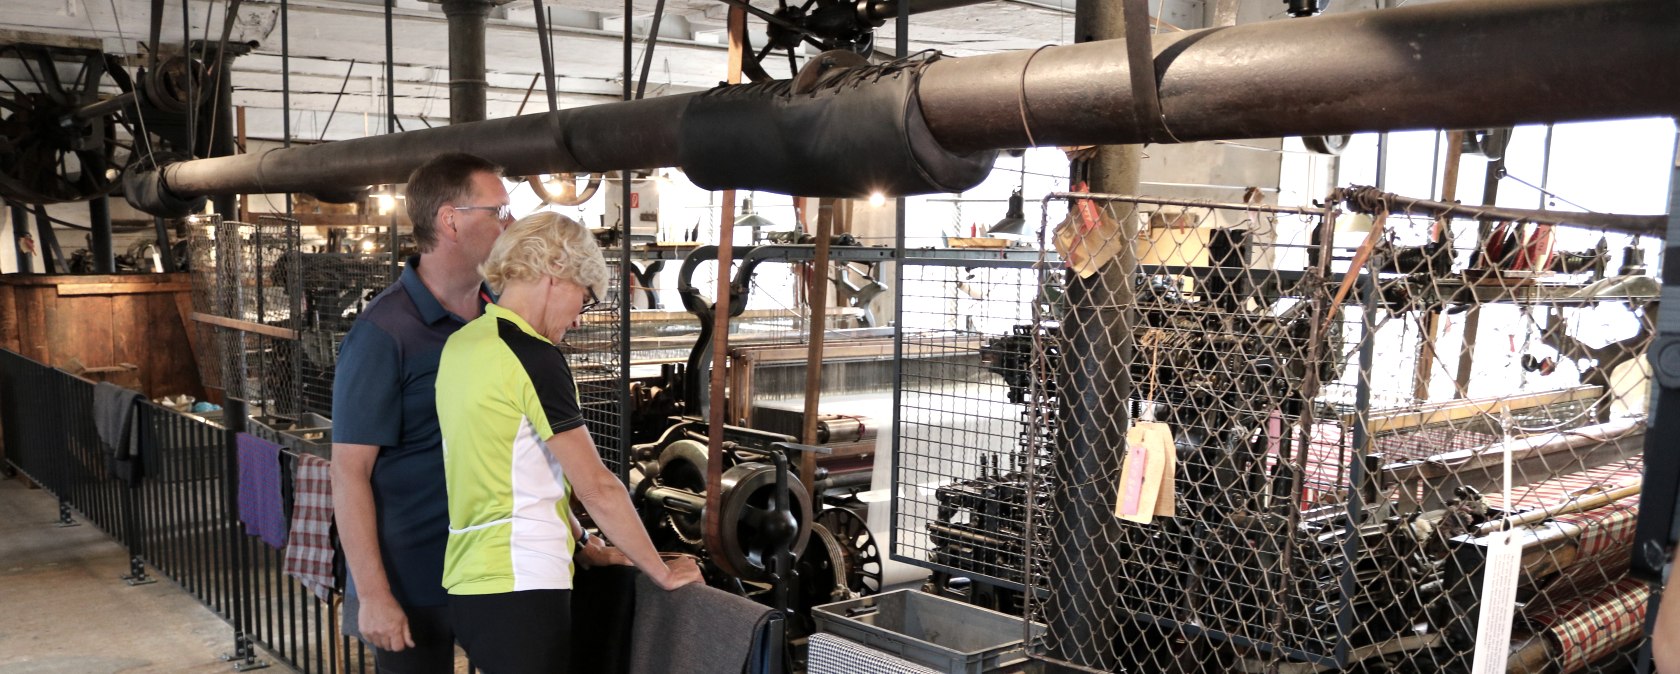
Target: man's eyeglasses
x,y
503,212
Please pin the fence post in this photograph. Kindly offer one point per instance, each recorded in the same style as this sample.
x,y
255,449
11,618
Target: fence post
x,y
133,523
244,655
57,449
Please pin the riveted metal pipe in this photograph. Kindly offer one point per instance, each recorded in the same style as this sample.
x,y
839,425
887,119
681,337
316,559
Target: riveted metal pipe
x,y
1471,64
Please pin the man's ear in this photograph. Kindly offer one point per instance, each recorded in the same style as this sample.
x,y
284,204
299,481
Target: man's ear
x,y
445,220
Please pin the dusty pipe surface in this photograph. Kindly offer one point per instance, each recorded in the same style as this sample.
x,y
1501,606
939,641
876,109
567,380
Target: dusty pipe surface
x,y
637,134
1451,65
1446,65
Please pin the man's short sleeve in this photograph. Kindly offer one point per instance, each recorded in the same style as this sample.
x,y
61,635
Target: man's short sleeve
x,y
367,388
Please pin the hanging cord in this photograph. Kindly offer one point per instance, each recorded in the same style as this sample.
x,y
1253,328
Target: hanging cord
x,y
647,53
145,137
547,52
229,11
341,88
1021,103
391,123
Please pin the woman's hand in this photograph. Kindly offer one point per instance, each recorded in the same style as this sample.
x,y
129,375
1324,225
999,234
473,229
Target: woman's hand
x,y
679,571
598,553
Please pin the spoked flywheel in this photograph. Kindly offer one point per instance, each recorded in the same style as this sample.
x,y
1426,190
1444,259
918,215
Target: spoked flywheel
x,y
58,137
863,558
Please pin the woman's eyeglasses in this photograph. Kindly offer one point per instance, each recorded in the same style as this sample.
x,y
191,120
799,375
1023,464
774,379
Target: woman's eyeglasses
x,y
590,301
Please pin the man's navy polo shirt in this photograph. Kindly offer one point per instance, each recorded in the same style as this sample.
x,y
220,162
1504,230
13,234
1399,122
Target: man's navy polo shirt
x,y
383,395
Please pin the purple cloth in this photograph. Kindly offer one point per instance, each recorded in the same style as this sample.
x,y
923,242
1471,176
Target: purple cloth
x,y
260,507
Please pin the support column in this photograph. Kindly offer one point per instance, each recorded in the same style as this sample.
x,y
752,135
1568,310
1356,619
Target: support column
x,y
467,86
20,226
99,217
1084,603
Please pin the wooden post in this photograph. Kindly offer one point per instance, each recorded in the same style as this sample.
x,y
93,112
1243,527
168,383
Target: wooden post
x,y
1430,321
818,292
717,411
244,199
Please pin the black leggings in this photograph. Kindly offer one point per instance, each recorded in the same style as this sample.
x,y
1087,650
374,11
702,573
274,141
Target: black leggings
x,y
515,632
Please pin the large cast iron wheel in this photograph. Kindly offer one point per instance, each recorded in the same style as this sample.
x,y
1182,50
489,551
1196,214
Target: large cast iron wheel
x,y
58,140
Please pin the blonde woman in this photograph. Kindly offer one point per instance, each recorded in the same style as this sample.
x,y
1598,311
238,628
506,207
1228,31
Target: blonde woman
x,y
516,452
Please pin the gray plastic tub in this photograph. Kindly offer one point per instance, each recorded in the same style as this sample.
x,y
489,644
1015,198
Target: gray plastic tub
x,y
930,630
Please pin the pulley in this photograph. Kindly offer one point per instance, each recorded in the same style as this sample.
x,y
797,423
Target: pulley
x,y
862,557
748,521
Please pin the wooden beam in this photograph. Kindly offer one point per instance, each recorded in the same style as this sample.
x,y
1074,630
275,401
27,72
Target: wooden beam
x,y
245,326
80,289
1464,409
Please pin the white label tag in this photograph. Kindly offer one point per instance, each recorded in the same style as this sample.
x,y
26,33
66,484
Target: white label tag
x,y
1499,603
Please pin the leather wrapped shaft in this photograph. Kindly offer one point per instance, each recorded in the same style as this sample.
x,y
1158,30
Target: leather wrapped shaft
x,y
858,131
146,189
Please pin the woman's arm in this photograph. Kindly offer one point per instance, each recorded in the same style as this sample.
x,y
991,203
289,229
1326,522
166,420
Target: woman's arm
x,y
609,505
1665,635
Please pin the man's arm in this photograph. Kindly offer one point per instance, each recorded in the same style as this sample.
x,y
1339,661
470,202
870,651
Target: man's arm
x,y
382,620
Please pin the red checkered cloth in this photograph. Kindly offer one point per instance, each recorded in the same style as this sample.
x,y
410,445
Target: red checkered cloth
x,y
1604,529
1331,451
1587,628
1564,488
309,556
1428,441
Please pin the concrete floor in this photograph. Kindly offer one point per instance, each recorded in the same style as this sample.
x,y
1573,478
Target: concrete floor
x,y
64,610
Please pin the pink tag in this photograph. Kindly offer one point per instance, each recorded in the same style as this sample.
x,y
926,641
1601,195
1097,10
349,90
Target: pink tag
x,y
1132,491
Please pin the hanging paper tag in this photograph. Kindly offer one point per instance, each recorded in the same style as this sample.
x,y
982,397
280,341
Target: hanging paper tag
x,y
1499,598
1166,504
1146,476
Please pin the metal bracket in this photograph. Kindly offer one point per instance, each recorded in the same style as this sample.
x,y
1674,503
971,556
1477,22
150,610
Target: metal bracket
x,y
64,517
137,573
244,655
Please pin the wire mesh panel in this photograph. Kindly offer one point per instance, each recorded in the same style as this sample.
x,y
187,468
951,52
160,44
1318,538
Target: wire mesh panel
x,y
249,275
1271,439
960,464
334,285
594,349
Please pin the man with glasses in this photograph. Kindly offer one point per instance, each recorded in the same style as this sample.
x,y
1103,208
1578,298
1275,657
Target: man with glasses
x,y
387,463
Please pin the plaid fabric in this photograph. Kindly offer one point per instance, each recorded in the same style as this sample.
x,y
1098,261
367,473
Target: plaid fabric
x,y
1604,529
1564,488
309,557
1428,441
830,654
260,504
1329,454
1588,628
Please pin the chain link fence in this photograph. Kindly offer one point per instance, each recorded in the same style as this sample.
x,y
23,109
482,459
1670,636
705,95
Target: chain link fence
x,y
1232,437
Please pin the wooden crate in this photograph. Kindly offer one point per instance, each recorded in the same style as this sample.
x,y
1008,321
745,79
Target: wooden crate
x,y
101,323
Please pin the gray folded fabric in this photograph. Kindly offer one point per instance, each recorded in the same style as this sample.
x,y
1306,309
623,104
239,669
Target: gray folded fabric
x,y
112,407
694,629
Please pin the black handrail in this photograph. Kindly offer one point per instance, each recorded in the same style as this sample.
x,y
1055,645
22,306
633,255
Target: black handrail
x,y
180,518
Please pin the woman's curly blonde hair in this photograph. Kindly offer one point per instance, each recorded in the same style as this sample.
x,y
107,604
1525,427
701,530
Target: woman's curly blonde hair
x,y
545,244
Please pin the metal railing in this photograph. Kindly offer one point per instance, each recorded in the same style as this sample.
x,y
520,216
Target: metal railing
x,y
179,517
